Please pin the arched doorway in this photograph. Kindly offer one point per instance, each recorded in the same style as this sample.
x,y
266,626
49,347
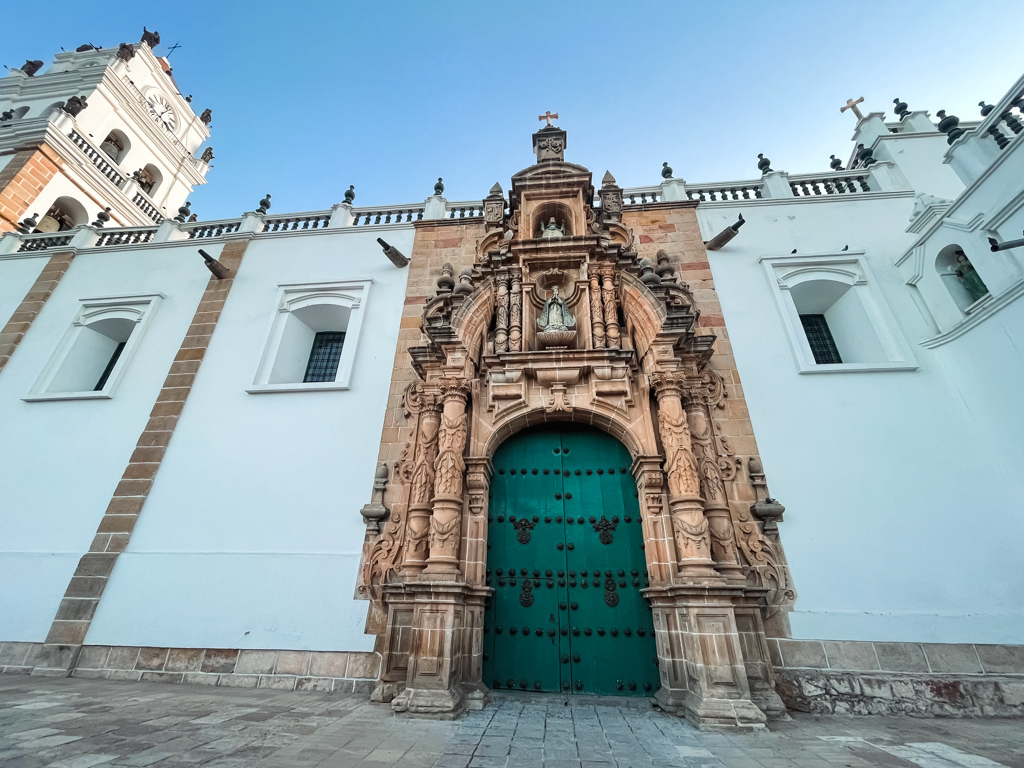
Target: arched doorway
x,y
566,561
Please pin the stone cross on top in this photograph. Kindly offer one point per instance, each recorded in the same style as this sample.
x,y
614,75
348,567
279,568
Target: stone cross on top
x,y
548,116
851,104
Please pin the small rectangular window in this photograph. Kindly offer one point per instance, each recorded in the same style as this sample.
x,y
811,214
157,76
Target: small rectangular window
x,y
110,366
324,356
823,346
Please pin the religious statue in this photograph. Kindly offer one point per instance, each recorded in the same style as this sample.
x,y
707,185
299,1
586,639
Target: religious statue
x,y
206,117
75,105
31,67
125,51
207,155
552,231
969,278
556,325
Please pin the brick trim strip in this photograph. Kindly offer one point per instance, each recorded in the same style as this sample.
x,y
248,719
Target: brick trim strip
x,y
74,616
30,307
21,181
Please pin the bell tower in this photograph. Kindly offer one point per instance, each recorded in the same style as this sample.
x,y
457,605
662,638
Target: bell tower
x,y
103,134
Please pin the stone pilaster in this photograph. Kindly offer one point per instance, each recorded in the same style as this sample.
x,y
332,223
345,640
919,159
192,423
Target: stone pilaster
x,y
501,314
690,527
659,544
478,482
449,468
421,486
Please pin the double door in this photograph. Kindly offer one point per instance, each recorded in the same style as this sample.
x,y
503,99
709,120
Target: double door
x,y
566,561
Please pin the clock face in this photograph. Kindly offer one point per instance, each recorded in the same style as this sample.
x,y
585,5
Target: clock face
x,y
161,111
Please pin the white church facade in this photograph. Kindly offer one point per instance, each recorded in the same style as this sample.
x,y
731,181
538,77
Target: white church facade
x,y
195,414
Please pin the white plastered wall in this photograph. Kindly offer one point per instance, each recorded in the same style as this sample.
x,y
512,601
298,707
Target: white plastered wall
x,y
902,516
61,460
251,537
17,275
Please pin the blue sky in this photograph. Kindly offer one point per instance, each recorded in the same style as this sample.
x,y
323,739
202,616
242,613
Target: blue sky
x,y
308,98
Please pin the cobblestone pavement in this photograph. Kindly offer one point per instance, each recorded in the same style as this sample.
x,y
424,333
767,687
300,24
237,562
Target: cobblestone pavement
x,y
85,723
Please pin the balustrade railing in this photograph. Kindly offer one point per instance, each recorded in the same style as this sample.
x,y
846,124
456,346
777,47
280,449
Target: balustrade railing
x,y
722,193
839,183
147,207
214,229
126,237
398,215
98,158
1004,122
300,221
465,210
42,241
641,195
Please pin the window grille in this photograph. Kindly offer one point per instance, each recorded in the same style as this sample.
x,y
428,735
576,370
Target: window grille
x,y
325,356
823,346
110,366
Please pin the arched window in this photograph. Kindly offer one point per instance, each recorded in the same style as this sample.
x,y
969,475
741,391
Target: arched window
x,y
116,145
150,179
65,213
835,322
960,277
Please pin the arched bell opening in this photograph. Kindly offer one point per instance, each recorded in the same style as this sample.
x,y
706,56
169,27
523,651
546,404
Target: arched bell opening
x,y
566,563
116,145
65,213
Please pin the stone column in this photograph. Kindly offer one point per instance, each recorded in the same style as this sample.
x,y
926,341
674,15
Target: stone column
x,y
716,503
501,314
478,482
596,311
693,542
611,313
515,333
448,479
659,549
421,486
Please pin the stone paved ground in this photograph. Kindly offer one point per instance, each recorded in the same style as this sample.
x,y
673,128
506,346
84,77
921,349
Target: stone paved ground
x,y
85,723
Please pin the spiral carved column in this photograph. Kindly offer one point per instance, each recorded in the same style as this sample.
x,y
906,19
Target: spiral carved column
x,y
611,313
515,333
449,471
421,485
596,311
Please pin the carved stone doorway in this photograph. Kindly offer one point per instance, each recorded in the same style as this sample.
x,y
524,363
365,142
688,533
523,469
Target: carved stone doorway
x,y
565,558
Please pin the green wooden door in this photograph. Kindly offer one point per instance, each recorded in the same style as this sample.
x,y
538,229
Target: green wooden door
x,y
565,558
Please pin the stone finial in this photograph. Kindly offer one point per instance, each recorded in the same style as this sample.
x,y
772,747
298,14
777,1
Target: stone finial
x,y
102,218
647,275
28,225
608,180
764,165
496,191
375,512
350,194
664,269
985,108
185,211
836,164
264,205
465,286
7,115
666,171
445,281
949,125
864,156
902,110
439,187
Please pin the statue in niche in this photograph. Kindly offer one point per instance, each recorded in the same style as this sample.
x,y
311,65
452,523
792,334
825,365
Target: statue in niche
x,y
556,325
552,230
969,277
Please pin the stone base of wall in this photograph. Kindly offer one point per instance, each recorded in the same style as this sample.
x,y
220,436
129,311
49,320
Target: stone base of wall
x,y
345,672
824,692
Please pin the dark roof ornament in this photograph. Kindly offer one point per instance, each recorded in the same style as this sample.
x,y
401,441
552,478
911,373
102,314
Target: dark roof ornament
x,y
836,164
949,125
350,194
75,105
184,212
864,156
445,281
32,66
439,187
666,171
126,52
764,165
102,218
264,205
86,47
985,108
152,39
902,110
28,225
207,155
206,117
607,180
7,115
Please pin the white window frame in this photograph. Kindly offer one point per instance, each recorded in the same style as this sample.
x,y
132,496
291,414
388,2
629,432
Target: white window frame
x,y
349,294
849,267
137,308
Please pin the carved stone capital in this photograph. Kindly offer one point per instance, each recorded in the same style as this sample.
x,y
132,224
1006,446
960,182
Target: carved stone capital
x,y
454,389
668,383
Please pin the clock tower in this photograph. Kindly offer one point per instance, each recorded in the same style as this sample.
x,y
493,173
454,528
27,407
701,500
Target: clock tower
x,y
102,128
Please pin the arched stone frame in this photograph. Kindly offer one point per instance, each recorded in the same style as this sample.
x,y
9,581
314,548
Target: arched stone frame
x,y
849,269
68,207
